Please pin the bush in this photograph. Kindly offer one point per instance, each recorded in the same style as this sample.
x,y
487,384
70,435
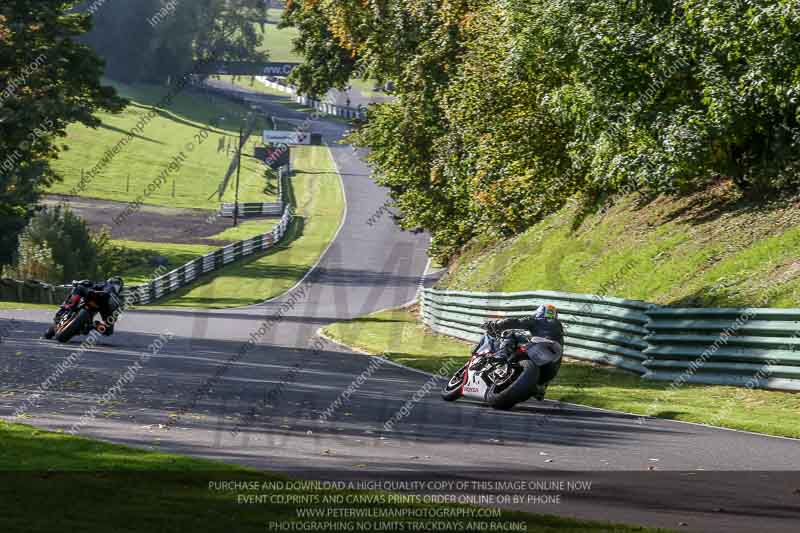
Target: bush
x,y
58,247
34,261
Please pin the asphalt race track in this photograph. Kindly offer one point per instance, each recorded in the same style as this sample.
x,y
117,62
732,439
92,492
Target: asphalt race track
x,y
262,406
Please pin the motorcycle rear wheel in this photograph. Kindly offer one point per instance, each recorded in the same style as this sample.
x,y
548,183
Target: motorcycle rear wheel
x,y
518,390
73,327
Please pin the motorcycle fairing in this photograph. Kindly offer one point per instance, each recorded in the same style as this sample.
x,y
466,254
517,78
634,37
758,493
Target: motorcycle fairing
x,y
474,385
543,351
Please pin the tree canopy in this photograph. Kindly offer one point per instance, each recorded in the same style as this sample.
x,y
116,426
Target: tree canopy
x,y
155,40
47,81
506,109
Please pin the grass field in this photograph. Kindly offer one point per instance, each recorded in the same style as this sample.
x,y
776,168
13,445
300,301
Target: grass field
x,y
278,43
177,254
315,190
709,249
176,130
402,338
59,482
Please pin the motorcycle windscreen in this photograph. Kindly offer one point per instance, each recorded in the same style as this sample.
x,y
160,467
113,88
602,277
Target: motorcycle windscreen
x,y
543,351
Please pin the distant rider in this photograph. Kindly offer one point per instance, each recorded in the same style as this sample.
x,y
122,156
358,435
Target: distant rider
x,y
108,294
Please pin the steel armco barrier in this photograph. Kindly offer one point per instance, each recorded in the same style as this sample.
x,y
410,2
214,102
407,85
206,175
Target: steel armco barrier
x,y
323,107
253,209
740,347
604,330
192,270
186,274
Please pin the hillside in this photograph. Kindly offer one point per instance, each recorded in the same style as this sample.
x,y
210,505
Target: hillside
x,y
204,130
714,248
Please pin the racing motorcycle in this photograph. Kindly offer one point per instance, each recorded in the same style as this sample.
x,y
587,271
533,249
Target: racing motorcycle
x,y
76,316
503,383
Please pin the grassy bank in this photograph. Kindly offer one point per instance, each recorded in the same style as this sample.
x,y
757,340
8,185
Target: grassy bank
x,y
56,481
709,249
315,190
398,335
178,129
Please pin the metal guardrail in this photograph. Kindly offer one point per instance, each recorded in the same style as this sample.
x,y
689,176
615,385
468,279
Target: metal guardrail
x,y
341,111
186,274
31,291
252,209
603,330
741,347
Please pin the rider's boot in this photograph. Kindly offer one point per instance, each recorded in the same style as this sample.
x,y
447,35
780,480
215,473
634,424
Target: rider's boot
x,y
540,392
103,328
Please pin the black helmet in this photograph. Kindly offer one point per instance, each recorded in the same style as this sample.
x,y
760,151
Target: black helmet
x,y
116,284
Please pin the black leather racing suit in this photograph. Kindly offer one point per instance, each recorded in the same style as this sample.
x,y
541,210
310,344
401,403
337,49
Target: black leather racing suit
x,y
104,295
550,329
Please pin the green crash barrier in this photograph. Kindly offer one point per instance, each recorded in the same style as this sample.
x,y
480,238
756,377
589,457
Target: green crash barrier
x,y
745,347
602,330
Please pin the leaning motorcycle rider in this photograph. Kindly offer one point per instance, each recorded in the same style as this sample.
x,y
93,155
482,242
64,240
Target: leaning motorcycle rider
x,y
108,294
543,323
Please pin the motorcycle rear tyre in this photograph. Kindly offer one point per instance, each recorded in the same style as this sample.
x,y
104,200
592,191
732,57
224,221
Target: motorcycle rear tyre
x,y
518,391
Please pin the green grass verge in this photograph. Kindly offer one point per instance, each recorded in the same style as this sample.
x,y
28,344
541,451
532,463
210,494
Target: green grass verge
x,y
57,481
315,190
278,42
246,229
164,138
708,249
402,338
177,255
20,306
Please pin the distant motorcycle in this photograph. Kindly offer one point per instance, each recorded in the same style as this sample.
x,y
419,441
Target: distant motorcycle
x,y
76,315
504,383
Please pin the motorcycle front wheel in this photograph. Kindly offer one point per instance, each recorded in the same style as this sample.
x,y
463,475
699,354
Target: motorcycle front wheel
x,y
64,332
518,388
452,389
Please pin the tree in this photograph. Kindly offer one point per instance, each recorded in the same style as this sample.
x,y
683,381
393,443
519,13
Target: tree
x,y
327,62
47,81
506,109
154,40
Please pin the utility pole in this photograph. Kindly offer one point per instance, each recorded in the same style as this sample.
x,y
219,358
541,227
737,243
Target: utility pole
x,y
238,172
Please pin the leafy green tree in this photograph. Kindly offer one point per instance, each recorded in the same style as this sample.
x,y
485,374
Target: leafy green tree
x,y
47,81
327,63
155,40
505,110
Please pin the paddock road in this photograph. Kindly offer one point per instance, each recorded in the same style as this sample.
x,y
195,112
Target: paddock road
x,y
274,405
